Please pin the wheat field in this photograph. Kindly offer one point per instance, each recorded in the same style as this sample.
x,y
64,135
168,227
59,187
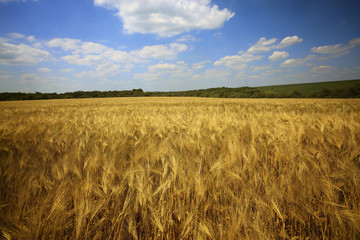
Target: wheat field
x,y
180,168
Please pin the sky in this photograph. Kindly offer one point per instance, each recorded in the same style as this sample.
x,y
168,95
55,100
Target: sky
x,y
174,45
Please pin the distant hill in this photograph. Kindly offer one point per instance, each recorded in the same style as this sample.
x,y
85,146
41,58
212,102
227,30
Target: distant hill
x,y
307,89
337,89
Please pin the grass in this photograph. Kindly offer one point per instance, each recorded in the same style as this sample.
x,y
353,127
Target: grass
x,y
307,88
180,168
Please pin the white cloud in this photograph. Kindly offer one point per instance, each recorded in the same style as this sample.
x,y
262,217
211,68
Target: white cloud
x,y
21,54
259,68
87,60
214,74
265,45
101,71
31,38
34,42
90,48
288,41
67,70
162,67
200,65
108,61
338,49
160,51
330,49
44,70
167,18
165,72
278,55
33,78
187,38
296,62
16,35
65,44
237,61
322,69
262,45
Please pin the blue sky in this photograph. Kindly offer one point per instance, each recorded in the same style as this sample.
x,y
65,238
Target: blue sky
x,y
169,45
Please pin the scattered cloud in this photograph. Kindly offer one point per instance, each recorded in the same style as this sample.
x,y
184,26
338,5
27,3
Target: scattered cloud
x,y
296,62
322,69
337,49
32,78
145,77
259,68
67,70
16,35
213,74
187,38
101,71
200,65
91,48
21,54
165,72
44,70
167,52
162,67
167,18
237,61
265,45
87,60
65,44
288,41
278,55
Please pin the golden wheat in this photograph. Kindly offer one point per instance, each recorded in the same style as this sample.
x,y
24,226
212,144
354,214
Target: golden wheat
x,y
180,168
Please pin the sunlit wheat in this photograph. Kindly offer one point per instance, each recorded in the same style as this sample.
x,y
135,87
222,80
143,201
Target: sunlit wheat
x,y
180,168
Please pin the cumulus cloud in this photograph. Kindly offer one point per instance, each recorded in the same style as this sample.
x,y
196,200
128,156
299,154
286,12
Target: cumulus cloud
x,y
102,70
90,48
262,45
169,51
337,49
200,65
165,72
44,70
288,41
86,60
214,74
21,54
108,61
16,35
162,67
237,61
278,55
296,62
167,18
67,70
260,68
322,69
186,38
265,45
65,44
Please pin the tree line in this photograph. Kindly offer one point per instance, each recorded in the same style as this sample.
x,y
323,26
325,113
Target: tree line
x,y
223,92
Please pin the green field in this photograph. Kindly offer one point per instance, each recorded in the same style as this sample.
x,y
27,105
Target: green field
x,y
308,88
